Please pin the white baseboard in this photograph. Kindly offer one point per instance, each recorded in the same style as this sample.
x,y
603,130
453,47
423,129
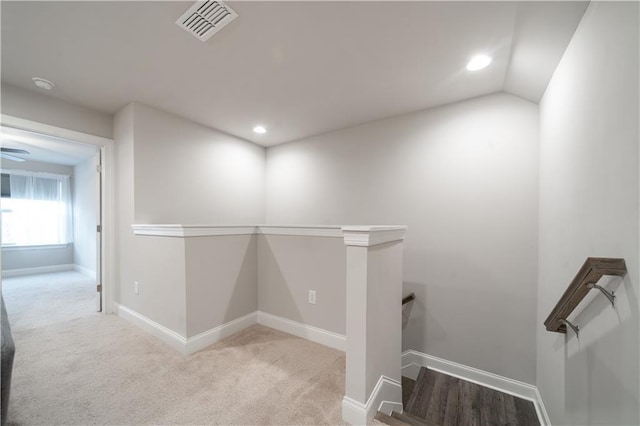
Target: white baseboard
x,y
86,271
315,334
353,412
209,337
386,397
200,341
190,345
37,270
413,360
543,416
163,333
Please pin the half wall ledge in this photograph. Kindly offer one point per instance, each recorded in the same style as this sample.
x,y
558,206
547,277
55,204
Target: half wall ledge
x,y
365,283
354,235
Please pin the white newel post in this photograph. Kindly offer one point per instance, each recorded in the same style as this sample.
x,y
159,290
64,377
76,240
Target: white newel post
x,y
374,321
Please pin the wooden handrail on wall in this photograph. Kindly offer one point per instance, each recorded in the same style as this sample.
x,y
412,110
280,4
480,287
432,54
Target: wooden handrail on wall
x,y
585,280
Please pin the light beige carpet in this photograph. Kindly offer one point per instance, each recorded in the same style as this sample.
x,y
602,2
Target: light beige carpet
x,y
94,369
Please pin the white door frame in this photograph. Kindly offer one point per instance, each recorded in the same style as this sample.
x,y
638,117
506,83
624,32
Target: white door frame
x,y
108,195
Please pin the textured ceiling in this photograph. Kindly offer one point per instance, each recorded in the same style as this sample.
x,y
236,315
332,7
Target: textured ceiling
x,y
298,68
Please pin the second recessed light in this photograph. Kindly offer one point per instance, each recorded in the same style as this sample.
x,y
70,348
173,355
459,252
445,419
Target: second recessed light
x,y
259,129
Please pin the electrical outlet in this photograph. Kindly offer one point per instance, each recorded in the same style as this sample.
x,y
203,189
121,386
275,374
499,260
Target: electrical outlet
x,y
312,297
136,287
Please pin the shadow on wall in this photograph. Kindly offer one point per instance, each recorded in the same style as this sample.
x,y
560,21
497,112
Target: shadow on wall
x,y
221,280
247,273
593,363
492,318
274,287
291,266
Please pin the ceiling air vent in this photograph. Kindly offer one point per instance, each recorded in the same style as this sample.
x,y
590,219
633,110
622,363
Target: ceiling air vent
x,y
205,18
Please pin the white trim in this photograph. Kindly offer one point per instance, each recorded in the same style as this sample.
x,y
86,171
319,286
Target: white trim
x,y
170,337
383,396
108,227
388,407
301,231
315,334
184,231
413,360
36,247
209,337
47,129
541,410
367,236
37,270
353,412
86,271
185,346
202,340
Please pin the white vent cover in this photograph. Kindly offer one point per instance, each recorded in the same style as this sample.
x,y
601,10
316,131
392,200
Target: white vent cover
x,y
205,18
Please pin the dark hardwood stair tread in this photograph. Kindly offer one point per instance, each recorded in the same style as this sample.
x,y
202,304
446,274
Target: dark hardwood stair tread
x,y
409,419
388,420
420,398
407,389
440,399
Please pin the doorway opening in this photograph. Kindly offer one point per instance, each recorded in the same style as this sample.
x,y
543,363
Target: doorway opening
x,y
53,206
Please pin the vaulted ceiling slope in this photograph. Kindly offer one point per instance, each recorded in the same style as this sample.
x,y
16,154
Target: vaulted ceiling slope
x,y
297,68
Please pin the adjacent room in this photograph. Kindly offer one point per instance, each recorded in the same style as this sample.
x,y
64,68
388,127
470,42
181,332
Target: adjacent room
x,y
320,212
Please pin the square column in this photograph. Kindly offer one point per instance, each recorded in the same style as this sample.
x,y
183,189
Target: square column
x,y
374,320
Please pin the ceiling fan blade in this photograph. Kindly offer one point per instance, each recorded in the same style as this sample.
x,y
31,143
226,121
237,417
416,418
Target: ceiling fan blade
x,y
14,150
11,157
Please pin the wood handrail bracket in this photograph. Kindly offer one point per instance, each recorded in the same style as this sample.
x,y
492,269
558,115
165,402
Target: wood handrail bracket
x,y
591,271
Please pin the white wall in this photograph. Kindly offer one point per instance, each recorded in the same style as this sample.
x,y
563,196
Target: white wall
x,y
187,173
290,266
13,259
34,106
221,280
85,210
125,243
464,179
589,195
159,268
171,170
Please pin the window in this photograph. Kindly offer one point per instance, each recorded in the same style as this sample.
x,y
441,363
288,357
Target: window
x,y
36,209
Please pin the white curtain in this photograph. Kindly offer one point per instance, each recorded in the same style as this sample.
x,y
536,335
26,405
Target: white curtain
x,y
39,211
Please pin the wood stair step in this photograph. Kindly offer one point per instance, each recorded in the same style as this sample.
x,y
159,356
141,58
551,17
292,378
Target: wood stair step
x,y
440,399
409,419
407,389
388,420
420,397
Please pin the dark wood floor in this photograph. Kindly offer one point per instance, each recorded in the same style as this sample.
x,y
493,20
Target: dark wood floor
x,y
443,400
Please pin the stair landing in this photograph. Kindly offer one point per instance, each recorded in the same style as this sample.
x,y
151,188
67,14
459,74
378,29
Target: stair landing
x,y
436,399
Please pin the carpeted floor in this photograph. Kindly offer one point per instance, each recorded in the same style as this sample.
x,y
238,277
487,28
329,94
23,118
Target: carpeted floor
x,y
76,367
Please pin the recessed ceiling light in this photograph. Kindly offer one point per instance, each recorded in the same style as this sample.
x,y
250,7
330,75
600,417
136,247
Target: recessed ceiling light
x,y
478,62
259,129
43,83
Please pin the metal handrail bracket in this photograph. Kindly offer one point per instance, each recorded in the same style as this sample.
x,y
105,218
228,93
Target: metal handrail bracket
x,y
575,328
611,295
